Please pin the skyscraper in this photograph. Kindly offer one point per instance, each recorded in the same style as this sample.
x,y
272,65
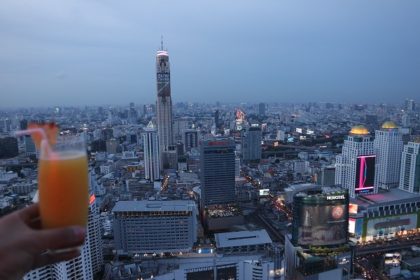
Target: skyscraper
x,y
151,153
261,109
217,160
251,144
410,105
87,264
164,102
355,166
410,168
388,145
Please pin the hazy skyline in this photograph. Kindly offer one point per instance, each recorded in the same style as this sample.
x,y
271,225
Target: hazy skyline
x,y
103,52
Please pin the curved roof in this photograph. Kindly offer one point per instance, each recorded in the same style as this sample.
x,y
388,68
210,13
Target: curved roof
x,y
389,125
160,53
359,130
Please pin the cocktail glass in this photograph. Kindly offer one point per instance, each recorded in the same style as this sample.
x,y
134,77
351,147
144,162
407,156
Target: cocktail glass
x,y
63,183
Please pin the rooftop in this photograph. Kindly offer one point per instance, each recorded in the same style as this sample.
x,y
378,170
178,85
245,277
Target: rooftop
x,y
153,206
389,125
392,196
359,130
241,238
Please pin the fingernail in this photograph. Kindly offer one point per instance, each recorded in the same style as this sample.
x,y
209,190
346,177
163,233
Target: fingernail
x,y
79,232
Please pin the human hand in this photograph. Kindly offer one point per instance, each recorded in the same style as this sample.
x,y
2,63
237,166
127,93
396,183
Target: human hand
x,y
24,246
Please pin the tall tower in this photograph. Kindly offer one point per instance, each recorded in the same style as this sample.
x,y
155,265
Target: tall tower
x,y
388,146
164,102
410,168
151,153
217,160
355,167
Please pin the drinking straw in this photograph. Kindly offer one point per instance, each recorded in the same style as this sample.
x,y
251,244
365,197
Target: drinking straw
x,y
30,131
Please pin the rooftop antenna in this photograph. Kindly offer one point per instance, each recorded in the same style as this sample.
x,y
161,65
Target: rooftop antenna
x,y
161,42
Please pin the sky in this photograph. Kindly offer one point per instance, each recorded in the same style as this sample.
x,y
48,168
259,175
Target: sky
x,y
87,52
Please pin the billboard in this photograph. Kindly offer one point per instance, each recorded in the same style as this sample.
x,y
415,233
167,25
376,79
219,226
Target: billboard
x,y
324,224
353,208
365,174
390,225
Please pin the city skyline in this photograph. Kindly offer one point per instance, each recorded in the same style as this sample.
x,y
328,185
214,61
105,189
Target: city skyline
x,y
101,53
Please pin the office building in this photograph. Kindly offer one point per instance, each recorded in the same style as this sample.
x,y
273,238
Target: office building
x,y
29,145
326,176
355,166
155,226
318,247
112,146
170,158
410,105
217,161
410,168
251,144
190,139
388,147
261,109
151,153
164,102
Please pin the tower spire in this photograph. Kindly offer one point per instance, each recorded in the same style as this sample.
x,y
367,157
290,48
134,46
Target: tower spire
x,y
161,42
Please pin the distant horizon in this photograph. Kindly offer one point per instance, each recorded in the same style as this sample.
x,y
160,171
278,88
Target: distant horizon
x,y
122,105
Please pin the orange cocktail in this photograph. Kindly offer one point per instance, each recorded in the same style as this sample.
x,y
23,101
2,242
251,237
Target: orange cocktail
x,y
62,176
63,188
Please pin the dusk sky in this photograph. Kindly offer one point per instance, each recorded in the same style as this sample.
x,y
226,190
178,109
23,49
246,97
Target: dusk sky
x,y
103,52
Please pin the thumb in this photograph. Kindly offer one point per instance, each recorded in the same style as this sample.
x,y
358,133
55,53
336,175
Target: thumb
x,y
61,238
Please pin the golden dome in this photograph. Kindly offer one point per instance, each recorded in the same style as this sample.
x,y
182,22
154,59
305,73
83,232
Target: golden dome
x,y
389,125
359,130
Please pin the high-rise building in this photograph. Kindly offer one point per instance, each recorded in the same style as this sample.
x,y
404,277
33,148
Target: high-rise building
x,y
410,105
112,146
87,264
94,236
410,168
29,145
355,166
151,153
190,139
217,159
261,109
326,176
320,225
251,144
164,102
388,146
155,226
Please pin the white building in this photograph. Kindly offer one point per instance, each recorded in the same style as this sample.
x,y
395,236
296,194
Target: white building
x,y
155,226
388,146
355,166
410,168
87,264
151,153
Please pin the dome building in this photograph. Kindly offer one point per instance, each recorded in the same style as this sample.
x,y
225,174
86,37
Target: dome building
x,y
388,146
355,166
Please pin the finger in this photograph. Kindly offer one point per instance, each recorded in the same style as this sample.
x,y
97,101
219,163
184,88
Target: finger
x,y
35,223
60,238
50,257
29,213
